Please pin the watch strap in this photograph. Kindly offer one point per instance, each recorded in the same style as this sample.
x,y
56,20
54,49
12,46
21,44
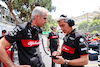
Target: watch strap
x,y
66,62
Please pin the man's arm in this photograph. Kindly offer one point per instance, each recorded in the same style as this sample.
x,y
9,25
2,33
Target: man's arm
x,y
48,44
58,45
3,54
58,42
83,60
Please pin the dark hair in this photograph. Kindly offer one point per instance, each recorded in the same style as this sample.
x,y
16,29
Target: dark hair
x,y
53,27
4,31
63,15
97,34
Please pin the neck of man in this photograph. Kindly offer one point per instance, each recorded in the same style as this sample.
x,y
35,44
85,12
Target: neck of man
x,y
53,31
70,30
33,23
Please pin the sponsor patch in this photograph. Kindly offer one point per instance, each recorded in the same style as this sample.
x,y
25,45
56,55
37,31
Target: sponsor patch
x,y
29,34
68,49
81,40
53,37
81,43
82,49
15,31
30,43
71,38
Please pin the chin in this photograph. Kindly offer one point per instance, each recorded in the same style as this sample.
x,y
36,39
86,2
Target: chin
x,y
42,26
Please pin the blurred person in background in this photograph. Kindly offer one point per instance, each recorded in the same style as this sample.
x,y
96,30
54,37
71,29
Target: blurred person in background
x,y
4,32
53,42
9,49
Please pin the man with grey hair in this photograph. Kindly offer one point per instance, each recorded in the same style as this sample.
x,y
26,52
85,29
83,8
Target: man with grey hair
x,y
27,39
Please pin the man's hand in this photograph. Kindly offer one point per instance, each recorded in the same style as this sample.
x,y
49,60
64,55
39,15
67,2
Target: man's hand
x,y
48,49
58,48
24,66
56,53
60,60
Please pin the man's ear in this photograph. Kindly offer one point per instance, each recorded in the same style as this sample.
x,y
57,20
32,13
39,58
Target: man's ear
x,y
36,17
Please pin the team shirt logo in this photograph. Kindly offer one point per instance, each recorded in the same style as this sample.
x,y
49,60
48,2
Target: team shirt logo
x,y
82,43
53,37
29,33
71,38
14,32
30,43
81,40
82,49
68,49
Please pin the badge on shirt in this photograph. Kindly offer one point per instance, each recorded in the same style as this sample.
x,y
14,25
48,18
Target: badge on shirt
x,y
29,33
71,38
66,38
81,40
14,31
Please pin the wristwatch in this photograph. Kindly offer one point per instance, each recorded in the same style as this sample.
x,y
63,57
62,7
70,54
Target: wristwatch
x,y
66,62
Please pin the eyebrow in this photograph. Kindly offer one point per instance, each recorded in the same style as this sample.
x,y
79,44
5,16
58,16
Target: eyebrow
x,y
62,24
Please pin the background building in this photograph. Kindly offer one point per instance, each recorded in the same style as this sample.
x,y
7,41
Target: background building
x,y
85,17
7,21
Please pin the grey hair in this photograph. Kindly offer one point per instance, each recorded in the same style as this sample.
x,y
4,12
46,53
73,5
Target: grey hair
x,y
38,11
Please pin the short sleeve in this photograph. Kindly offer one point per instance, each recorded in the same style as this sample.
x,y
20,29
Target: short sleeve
x,y
82,45
14,35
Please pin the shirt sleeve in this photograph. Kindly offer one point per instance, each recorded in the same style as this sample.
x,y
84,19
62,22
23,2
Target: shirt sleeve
x,y
14,35
82,45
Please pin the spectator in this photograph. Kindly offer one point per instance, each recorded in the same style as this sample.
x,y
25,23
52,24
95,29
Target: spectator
x,y
8,48
4,32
